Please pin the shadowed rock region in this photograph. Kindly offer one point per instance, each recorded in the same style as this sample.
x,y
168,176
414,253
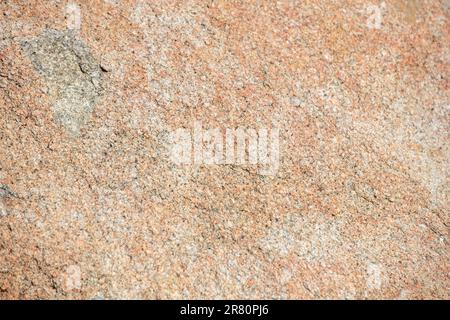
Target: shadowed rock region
x,y
93,205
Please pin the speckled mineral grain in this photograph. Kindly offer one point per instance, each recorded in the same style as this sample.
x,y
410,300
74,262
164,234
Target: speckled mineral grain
x,y
349,101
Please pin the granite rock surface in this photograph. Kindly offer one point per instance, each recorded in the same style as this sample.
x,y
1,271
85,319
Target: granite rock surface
x,y
92,205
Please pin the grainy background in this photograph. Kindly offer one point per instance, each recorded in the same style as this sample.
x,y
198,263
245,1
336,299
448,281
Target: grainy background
x,y
91,206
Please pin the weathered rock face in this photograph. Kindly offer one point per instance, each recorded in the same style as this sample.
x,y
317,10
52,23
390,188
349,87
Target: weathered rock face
x,y
224,150
72,74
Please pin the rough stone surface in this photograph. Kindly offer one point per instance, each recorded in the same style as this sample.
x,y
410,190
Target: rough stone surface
x,y
73,76
92,207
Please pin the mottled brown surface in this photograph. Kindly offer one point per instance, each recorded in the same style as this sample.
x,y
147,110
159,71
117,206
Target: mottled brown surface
x,y
358,208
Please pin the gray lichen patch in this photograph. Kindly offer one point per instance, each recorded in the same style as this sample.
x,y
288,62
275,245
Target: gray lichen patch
x,y
5,192
73,76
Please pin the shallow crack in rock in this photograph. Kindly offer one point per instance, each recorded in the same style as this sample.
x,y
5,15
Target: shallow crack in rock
x,y
73,76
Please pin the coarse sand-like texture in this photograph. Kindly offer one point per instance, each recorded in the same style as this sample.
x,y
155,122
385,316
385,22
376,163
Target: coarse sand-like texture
x,y
95,204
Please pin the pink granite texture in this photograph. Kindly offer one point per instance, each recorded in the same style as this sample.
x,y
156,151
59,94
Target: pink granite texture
x,y
93,207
